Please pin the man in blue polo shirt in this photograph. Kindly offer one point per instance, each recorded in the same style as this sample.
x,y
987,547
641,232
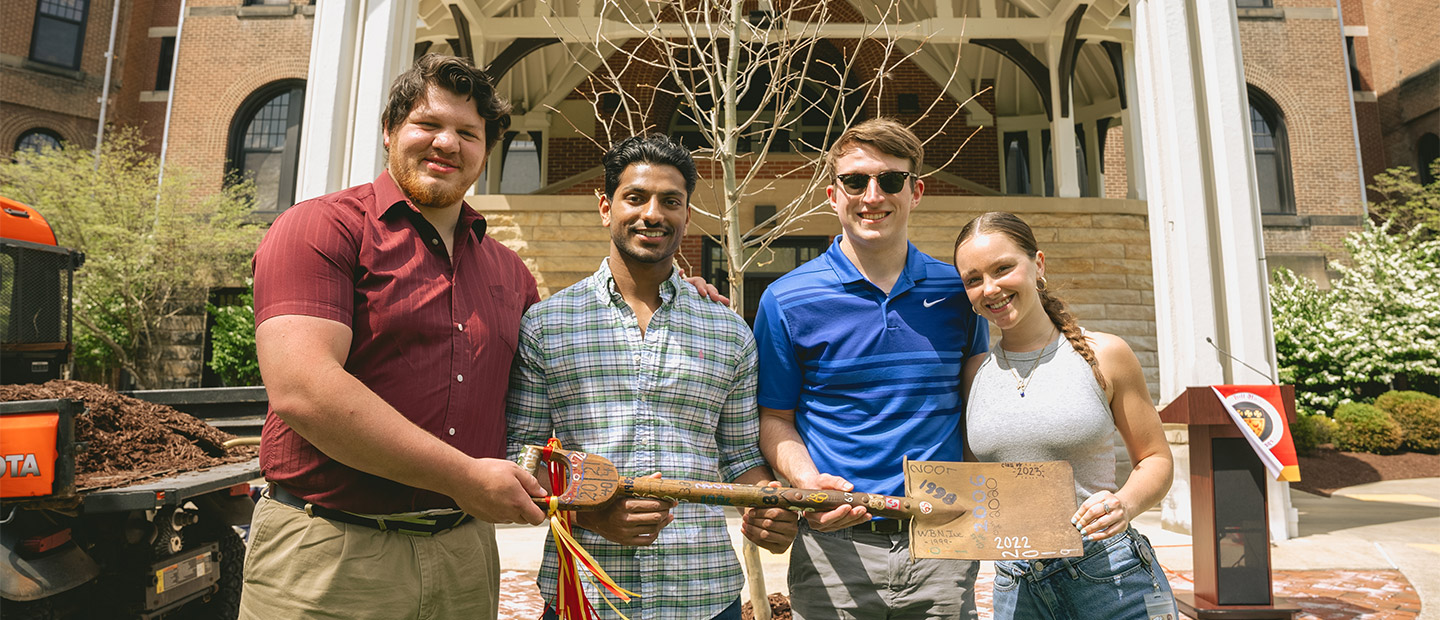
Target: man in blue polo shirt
x,y
862,351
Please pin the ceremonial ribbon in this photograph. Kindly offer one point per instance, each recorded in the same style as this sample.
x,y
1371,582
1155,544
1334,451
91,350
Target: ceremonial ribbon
x,y
570,600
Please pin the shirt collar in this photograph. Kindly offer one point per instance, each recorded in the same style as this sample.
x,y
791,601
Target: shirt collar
x,y
848,273
389,200
609,292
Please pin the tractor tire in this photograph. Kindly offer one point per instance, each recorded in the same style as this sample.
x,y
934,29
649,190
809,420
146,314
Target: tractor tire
x,y
224,604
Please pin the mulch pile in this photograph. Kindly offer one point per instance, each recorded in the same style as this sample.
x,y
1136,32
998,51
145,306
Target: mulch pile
x,y
1330,470
129,439
779,608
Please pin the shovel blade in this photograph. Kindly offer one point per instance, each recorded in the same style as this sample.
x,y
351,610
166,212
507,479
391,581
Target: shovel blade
x,y
993,511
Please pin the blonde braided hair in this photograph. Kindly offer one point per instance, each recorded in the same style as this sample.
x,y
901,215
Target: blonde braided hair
x,y
1018,232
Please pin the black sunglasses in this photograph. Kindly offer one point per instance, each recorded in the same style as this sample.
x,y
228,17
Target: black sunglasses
x,y
890,182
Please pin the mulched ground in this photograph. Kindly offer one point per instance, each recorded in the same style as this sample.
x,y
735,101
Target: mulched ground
x,y
129,440
1330,470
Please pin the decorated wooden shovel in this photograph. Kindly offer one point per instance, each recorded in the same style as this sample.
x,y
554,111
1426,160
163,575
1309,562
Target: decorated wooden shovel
x,y
974,511
591,481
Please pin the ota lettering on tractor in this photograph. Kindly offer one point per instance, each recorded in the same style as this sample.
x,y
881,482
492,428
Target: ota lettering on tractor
x,y
20,465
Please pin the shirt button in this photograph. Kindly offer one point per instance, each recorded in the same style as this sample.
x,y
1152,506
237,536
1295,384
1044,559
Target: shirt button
x,y
460,378
460,326
434,241
452,431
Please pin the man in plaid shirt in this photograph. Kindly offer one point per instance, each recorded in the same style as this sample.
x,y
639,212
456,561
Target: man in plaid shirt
x,y
633,365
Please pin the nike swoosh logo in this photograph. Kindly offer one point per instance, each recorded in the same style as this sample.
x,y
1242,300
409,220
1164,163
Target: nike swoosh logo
x,y
927,303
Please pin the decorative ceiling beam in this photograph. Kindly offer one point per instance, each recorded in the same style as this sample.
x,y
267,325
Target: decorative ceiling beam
x,y
1117,63
512,54
466,47
1069,48
933,30
1031,66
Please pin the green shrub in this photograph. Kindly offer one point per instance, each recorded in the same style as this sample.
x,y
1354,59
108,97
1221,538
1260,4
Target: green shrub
x,y
1399,398
1310,432
1418,414
1366,428
233,337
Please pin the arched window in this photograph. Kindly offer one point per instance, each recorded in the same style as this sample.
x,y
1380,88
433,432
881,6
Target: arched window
x,y
520,158
1427,151
265,142
1272,155
37,139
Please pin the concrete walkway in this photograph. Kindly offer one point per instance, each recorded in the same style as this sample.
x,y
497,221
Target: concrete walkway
x,y
1352,558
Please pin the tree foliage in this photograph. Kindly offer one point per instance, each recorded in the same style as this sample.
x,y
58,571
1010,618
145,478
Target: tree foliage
x,y
1408,203
233,338
1377,328
153,249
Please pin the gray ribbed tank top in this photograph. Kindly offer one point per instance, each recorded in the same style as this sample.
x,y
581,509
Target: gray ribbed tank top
x,y
1064,415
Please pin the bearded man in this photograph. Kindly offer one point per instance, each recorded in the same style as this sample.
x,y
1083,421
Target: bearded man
x,y
386,327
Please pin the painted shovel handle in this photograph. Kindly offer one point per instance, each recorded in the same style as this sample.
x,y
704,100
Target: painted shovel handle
x,y
725,494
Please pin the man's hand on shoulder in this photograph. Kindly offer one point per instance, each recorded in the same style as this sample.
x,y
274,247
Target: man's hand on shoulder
x,y
705,289
499,491
839,518
773,529
632,521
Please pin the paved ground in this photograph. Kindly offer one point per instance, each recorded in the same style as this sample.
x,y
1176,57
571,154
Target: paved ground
x,y
1371,551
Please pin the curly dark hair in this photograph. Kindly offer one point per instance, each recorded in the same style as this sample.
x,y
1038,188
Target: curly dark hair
x,y
457,75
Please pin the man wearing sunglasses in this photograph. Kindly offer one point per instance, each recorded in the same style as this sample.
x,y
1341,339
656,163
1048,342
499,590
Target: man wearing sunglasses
x,y
861,358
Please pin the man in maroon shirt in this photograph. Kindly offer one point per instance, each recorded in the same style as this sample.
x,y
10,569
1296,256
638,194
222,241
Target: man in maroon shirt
x,y
386,326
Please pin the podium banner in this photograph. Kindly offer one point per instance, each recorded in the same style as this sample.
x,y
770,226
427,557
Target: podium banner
x,y
1260,410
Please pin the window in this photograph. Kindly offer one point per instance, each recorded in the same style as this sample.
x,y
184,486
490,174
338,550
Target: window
x,y
1017,162
1427,151
1253,4
265,142
59,32
520,158
783,255
1355,83
37,140
167,59
1272,155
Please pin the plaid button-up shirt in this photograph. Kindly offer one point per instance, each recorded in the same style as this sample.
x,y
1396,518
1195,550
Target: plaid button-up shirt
x,y
678,399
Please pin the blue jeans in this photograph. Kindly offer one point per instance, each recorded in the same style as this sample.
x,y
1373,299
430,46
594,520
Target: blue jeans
x,y
1110,581
729,613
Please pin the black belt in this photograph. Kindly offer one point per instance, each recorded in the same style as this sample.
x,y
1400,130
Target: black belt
x,y
884,526
420,524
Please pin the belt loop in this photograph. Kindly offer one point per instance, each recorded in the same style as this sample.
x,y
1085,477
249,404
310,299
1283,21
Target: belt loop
x,y
382,524
1070,568
308,512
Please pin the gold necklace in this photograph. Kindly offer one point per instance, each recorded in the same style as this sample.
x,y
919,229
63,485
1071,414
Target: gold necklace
x,y
1021,382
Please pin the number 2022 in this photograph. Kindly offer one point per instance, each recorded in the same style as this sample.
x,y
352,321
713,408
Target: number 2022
x,y
987,500
937,491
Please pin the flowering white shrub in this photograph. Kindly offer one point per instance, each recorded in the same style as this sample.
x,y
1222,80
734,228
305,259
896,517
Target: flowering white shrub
x,y
1379,322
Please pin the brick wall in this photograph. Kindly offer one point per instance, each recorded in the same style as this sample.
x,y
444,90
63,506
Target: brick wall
x,y
224,58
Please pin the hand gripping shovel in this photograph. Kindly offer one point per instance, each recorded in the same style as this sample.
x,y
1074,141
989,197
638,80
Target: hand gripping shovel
x,y
591,481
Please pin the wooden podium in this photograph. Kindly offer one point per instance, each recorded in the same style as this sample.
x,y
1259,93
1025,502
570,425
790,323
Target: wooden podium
x,y
1229,521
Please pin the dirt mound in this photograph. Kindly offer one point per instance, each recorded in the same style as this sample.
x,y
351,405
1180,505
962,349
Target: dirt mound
x,y
130,439
779,608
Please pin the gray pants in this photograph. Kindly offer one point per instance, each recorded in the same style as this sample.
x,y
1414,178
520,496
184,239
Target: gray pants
x,y
862,575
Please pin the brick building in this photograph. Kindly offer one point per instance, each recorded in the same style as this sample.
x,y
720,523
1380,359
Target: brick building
x,y
241,100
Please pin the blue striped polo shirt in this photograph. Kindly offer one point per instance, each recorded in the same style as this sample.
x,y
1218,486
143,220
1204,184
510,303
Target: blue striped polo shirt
x,y
872,378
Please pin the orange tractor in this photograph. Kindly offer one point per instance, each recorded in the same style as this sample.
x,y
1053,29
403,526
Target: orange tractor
x,y
165,546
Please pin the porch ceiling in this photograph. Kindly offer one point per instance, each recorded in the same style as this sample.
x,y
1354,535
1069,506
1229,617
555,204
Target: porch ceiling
x,y
940,29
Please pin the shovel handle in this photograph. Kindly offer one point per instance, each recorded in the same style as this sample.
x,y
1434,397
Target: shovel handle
x,y
805,500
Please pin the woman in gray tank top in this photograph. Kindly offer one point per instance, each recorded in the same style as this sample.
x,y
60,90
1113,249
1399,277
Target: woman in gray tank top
x,y
1052,391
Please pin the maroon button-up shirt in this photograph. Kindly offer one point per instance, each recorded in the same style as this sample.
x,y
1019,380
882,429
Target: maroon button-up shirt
x,y
433,335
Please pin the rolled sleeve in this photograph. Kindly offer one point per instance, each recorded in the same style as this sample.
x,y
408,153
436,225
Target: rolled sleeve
x,y
738,433
527,407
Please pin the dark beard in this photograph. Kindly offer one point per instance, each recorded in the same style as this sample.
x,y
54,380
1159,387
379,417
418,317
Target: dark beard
x,y
621,241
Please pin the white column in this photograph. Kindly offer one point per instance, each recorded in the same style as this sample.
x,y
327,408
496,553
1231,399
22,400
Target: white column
x,y
1062,128
357,49
1130,121
1094,158
1037,162
1205,230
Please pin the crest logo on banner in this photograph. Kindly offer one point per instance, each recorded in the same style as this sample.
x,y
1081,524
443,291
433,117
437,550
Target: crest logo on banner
x,y
1259,409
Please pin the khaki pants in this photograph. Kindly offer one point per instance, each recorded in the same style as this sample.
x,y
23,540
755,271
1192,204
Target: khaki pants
x,y
302,567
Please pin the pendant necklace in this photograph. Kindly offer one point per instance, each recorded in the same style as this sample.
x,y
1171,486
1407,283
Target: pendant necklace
x,y
1022,381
